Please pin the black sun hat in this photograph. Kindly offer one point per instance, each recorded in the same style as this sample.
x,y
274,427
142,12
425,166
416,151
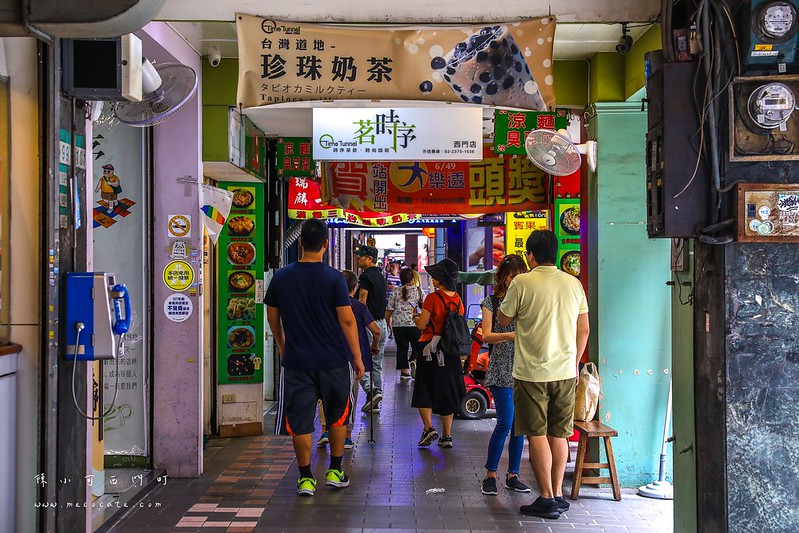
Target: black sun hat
x,y
368,251
445,272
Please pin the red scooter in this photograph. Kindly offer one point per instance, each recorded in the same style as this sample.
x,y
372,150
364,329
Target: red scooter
x,y
478,398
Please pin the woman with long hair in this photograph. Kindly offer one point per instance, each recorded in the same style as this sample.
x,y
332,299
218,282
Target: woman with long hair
x,y
499,377
404,304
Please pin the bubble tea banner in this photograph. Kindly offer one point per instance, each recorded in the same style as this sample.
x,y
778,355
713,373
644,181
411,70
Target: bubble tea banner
x,y
501,64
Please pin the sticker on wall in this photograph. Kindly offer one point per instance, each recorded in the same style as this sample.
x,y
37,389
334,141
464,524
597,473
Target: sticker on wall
x,y
179,226
179,250
178,275
178,307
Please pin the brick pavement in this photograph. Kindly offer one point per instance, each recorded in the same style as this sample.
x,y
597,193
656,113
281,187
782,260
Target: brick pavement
x,y
249,486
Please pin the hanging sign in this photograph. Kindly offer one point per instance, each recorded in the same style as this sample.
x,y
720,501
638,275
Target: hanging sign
x,y
518,227
403,134
511,127
493,185
178,275
295,157
178,307
502,64
215,204
305,201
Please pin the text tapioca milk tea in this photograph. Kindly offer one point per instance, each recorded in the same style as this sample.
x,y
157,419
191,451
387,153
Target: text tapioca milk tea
x,y
489,68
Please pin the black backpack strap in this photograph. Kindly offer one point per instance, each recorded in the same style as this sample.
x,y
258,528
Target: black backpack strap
x,y
447,307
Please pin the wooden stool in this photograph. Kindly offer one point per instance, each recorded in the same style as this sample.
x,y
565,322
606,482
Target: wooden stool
x,y
588,430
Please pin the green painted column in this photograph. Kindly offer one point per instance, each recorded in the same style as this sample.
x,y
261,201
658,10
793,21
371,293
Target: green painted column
x,y
571,82
683,449
219,93
630,303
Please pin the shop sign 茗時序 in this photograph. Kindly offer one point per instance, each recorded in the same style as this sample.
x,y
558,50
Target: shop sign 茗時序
x,y
398,134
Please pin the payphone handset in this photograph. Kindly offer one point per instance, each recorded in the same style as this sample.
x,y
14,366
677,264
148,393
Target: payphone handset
x,y
119,295
90,322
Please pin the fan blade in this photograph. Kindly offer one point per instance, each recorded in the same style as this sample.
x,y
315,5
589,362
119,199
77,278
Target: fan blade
x,y
178,86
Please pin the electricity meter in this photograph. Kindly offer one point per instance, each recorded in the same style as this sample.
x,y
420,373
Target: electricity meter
x,y
769,36
775,21
771,105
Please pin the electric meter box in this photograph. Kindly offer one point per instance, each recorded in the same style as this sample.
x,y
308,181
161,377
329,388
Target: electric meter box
x,y
770,37
677,189
764,123
767,212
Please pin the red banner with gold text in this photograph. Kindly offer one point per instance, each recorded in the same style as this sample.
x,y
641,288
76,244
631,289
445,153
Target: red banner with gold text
x,y
305,201
495,184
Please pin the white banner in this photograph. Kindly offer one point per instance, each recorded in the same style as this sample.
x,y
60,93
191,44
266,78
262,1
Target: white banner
x,y
215,205
118,217
398,134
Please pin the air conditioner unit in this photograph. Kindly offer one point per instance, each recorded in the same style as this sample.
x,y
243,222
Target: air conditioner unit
x,y
103,69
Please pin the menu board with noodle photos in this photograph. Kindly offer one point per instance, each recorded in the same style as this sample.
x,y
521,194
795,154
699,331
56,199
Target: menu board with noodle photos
x,y
240,313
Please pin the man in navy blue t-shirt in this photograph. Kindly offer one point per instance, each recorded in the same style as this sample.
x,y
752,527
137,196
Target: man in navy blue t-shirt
x,y
309,312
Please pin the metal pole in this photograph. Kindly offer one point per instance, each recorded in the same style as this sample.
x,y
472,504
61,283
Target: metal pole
x,y
371,408
661,489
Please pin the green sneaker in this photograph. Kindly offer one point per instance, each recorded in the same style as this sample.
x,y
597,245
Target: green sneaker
x,y
306,486
336,478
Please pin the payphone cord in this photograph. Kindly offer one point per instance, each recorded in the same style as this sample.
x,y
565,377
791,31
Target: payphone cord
x,y
79,326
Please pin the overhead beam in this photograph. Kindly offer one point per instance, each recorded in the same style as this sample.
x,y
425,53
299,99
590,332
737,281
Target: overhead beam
x,y
415,11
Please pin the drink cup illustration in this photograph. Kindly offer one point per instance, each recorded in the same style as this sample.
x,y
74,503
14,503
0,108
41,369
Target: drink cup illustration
x,y
489,68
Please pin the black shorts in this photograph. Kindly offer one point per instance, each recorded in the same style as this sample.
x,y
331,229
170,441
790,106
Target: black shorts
x,y
299,391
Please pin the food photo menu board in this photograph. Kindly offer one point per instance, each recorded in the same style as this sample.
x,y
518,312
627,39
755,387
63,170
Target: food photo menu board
x,y
566,222
240,260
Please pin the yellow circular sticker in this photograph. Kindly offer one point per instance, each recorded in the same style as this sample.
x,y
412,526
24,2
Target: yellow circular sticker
x,y
178,275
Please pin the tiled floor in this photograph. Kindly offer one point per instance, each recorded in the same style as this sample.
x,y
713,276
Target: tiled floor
x,y
249,485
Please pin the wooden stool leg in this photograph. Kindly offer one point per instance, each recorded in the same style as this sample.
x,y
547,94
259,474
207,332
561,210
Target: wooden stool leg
x,y
578,467
614,479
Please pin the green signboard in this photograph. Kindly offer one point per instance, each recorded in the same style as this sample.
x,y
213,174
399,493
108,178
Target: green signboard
x,y
295,158
240,287
511,127
566,222
254,149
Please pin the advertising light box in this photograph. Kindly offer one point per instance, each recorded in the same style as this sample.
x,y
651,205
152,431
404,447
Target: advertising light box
x,y
398,134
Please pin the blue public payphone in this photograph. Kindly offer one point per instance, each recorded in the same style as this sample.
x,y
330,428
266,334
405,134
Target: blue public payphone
x,y
97,308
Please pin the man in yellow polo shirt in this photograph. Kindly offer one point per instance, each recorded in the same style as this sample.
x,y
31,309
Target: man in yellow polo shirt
x,y
551,314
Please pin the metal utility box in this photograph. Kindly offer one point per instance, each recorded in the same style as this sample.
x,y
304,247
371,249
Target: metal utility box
x,y
767,212
677,180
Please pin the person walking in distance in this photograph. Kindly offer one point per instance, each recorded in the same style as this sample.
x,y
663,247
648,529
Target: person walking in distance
x,y
499,377
404,304
551,313
365,322
372,292
439,387
309,312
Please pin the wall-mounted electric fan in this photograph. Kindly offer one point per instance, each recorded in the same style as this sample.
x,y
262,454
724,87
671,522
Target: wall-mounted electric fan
x,y
167,87
555,154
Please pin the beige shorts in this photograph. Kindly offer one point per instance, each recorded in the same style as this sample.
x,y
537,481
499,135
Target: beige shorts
x,y
544,408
